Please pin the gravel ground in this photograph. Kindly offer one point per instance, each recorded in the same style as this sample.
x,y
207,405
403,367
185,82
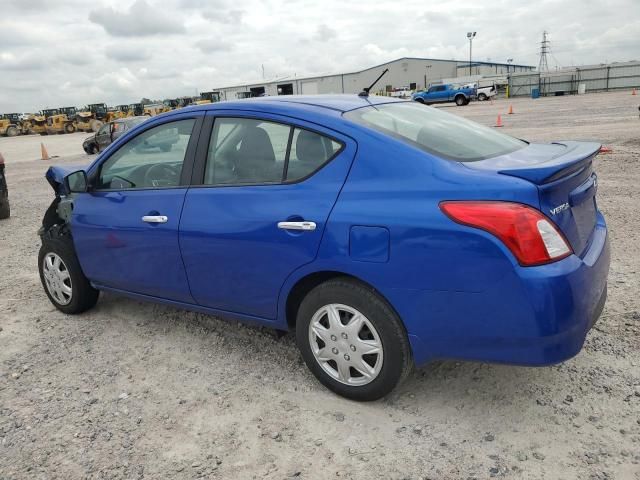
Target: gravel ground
x,y
133,390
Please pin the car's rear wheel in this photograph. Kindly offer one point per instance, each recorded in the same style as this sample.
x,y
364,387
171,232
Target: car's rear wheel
x,y
482,97
62,278
352,340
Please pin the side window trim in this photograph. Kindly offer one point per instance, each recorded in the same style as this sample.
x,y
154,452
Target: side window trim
x,y
189,158
197,179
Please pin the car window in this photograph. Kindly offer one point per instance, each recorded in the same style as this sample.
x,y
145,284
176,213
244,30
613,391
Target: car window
x,y
104,129
436,131
246,151
152,159
309,151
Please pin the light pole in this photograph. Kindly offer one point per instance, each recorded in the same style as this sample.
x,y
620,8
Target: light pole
x,y
470,36
509,61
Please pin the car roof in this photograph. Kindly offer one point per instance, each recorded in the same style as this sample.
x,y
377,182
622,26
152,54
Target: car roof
x,y
339,103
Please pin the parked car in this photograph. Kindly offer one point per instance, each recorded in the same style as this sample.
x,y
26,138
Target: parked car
x,y
109,132
445,93
485,92
402,92
385,233
5,209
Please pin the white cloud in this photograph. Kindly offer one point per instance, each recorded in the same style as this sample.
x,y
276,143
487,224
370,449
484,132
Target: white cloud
x,y
141,20
66,52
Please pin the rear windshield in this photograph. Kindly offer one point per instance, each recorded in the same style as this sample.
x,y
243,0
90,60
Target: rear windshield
x,y
435,131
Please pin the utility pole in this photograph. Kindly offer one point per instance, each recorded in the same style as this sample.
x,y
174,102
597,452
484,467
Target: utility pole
x,y
545,49
470,36
509,62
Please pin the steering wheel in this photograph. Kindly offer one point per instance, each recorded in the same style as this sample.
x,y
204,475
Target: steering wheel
x,y
162,175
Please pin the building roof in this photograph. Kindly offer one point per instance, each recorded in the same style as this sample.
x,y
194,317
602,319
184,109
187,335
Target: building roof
x,y
294,78
339,103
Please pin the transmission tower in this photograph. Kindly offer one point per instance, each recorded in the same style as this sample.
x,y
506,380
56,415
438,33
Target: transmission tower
x,y
545,49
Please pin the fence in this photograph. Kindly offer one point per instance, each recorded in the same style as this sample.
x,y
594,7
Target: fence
x,y
596,79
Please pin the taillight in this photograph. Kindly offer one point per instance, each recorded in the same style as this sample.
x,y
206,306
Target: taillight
x,y
532,238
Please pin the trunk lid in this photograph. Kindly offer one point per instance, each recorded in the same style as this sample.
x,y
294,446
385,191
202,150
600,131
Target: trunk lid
x,y
563,174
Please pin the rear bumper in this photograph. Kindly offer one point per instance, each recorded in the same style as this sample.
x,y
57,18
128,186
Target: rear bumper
x,y
539,316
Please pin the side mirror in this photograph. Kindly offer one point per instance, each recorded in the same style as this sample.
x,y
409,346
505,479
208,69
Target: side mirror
x,y
77,182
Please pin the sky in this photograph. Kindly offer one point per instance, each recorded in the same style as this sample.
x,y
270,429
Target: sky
x,y
57,53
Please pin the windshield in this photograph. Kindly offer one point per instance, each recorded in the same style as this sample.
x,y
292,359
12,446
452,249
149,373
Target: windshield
x,y
436,131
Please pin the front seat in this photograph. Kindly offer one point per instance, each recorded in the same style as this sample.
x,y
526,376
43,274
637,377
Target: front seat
x,y
256,159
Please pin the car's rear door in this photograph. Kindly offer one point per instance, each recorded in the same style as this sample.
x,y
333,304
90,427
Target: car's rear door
x,y
125,229
267,187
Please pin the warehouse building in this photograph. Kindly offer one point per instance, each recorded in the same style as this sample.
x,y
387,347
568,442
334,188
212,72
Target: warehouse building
x,y
414,73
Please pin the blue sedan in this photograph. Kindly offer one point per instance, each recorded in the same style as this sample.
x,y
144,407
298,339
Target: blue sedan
x,y
385,233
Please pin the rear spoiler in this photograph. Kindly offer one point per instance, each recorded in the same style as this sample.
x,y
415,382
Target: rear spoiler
x,y
542,163
576,156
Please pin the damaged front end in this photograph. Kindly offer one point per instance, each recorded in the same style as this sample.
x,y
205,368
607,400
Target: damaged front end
x,y
57,218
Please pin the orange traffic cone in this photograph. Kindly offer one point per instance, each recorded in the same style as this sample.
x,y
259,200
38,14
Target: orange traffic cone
x,y
44,153
498,121
633,92
510,112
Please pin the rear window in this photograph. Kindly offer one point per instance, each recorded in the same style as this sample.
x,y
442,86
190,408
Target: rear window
x,y
435,131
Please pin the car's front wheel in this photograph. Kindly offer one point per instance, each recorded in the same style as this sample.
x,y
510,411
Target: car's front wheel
x,y
460,100
62,278
352,341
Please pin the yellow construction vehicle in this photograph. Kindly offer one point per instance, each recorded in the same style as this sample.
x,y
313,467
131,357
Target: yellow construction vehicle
x,y
170,104
10,124
154,109
63,121
37,123
92,117
208,97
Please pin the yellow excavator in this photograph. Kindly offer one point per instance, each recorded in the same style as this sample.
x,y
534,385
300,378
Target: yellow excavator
x,y
62,122
11,125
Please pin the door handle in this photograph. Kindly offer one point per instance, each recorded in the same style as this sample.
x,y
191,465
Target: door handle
x,y
155,219
307,226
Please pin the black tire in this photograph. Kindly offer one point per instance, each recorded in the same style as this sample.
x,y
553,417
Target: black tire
x,y
43,133
69,128
83,295
93,149
397,362
460,100
12,131
5,209
482,97
419,100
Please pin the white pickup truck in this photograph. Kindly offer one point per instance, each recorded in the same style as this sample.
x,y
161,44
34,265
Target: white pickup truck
x,y
483,93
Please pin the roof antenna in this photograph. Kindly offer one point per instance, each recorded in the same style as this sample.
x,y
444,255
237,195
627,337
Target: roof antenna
x,y
366,90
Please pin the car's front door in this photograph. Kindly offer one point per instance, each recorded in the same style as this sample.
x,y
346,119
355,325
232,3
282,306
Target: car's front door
x,y
103,136
125,229
267,190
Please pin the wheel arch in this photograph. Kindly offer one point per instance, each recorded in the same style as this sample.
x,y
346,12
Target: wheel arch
x,y
303,284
